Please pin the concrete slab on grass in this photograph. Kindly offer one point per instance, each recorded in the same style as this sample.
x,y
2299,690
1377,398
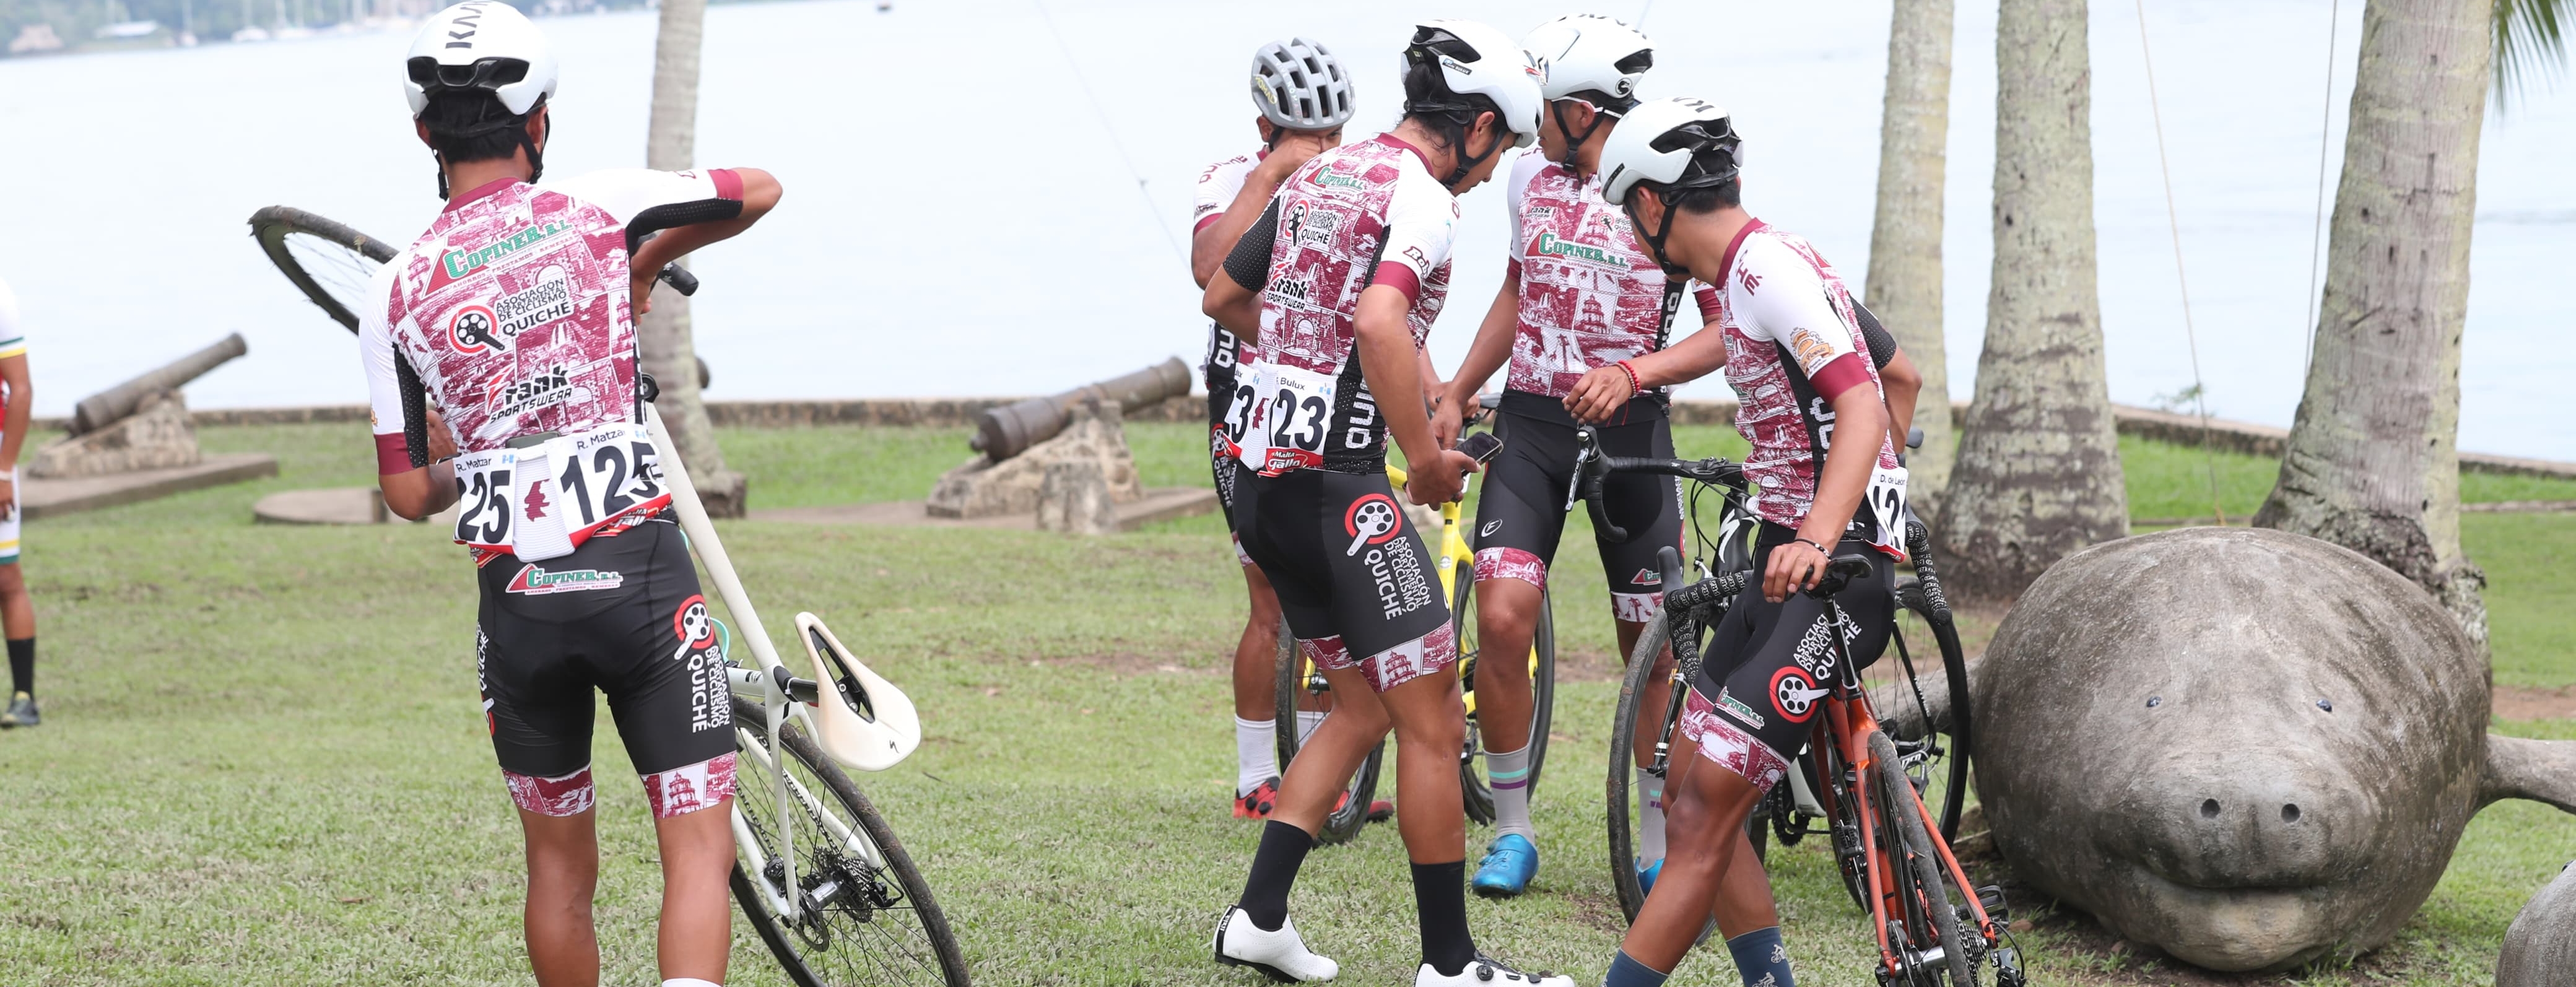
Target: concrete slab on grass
x,y
335,505
42,498
1158,504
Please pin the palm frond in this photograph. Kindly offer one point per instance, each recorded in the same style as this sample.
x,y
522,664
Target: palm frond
x,y
2528,41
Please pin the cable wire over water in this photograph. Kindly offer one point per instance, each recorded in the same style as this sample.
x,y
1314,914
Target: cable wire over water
x,y
1103,117
2200,393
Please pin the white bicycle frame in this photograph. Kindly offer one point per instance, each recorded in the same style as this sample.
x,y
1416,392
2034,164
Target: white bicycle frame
x,y
768,684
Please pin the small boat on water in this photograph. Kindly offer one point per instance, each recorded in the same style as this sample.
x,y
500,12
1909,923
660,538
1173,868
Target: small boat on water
x,y
129,30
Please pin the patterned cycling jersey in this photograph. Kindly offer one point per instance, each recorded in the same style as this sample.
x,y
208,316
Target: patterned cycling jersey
x,y
513,312
1217,188
1790,350
1357,215
1590,296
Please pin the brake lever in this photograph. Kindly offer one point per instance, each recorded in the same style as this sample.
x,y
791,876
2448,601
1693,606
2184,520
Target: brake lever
x,y
679,279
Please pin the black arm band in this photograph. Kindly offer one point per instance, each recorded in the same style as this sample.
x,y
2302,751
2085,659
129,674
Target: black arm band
x,y
414,411
1882,347
1249,262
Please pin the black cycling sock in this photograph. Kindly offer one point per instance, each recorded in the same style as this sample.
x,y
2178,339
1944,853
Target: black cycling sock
x,y
1274,869
22,665
1440,895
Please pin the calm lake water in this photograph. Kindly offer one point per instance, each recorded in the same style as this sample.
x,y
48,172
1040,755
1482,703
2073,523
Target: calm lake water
x,y
962,220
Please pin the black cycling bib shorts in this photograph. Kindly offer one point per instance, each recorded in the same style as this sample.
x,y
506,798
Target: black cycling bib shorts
x,y
622,614
1224,353
1356,585
1520,515
1769,665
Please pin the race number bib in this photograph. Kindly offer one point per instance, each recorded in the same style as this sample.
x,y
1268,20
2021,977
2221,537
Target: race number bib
x,y
1236,424
1886,500
1292,418
543,501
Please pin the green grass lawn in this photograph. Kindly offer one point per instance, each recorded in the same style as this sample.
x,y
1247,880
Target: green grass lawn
x,y
264,762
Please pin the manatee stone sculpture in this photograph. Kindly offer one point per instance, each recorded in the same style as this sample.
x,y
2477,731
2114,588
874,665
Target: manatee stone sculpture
x,y
2247,748
2540,946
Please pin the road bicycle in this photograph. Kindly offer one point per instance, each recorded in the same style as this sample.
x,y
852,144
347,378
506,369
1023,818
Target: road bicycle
x,y
1454,558
818,870
1889,806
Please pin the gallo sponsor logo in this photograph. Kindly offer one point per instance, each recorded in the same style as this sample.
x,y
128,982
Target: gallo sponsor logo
x,y
505,397
534,580
1549,245
549,300
469,329
459,263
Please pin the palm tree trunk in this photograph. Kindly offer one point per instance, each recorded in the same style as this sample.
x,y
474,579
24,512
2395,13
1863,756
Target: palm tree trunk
x,y
2038,475
2373,462
663,335
1905,242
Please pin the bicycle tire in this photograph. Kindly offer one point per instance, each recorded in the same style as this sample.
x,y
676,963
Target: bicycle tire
x,y
1941,774
935,959
1345,823
1623,769
1920,880
327,260
1473,790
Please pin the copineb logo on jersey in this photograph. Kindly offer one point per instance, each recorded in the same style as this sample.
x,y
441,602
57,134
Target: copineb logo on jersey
x,y
534,580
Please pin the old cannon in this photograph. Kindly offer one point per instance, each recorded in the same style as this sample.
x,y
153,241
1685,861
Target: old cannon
x,y
141,424
1063,457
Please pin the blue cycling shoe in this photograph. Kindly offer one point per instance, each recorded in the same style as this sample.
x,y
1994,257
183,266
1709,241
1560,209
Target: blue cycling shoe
x,y
1646,876
1509,864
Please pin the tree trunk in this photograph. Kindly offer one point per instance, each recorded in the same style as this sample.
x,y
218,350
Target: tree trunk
x,y
2038,475
1905,242
2373,459
663,335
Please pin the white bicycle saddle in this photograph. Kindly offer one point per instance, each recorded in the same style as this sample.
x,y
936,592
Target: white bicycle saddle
x,y
873,740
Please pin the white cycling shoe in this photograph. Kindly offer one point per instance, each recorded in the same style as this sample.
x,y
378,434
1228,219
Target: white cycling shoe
x,y
1488,972
1282,955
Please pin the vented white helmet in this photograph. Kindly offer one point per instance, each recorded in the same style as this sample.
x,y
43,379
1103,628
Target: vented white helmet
x,y
1588,53
1476,60
1301,86
480,44
1679,142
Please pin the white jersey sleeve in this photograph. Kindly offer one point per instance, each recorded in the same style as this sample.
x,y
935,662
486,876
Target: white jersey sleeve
x,y
384,384
1421,225
1217,187
662,199
1778,296
1525,170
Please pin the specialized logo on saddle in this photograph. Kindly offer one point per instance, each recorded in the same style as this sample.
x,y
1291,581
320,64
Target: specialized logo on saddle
x,y
1549,245
458,263
1376,524
534,580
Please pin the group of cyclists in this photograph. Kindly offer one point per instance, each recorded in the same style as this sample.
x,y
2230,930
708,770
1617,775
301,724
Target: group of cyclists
x,y
500,354
1324,265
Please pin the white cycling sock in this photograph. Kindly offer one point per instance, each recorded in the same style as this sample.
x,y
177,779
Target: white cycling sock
x,y
1256,753
1650,818
1508,771
1307,721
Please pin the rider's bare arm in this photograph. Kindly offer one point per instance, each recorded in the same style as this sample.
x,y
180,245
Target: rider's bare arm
x,y
1492,348
1603,390
1234,300
1209,243
1388,365
419,493
1902,381
760,192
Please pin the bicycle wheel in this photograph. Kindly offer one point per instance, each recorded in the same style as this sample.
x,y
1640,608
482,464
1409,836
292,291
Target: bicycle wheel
x,y
1929,902
866,917
1907,691
1295,682
1472,786
1623,804
328,261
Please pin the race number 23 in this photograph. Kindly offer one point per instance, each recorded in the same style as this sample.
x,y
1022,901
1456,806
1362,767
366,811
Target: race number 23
x,y
1301,401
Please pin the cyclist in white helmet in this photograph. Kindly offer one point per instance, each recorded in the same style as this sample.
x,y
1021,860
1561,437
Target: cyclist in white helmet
x,y
1338,281
1824,423
1304,96
500,357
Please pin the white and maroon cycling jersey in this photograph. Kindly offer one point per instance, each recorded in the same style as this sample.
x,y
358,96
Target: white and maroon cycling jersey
x,y
1590,296
1217,188
513,310
1358,215
1790,350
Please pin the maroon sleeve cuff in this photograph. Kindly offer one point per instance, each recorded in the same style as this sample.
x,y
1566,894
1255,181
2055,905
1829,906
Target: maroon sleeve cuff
x,y
1840,374
1514,268
1205,223
728,183
1401,278
1707,297
393,455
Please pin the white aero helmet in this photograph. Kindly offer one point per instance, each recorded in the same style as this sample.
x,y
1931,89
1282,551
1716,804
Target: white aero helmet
x,y
1476,60
1300,85
480,44
1592,58
1678,143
